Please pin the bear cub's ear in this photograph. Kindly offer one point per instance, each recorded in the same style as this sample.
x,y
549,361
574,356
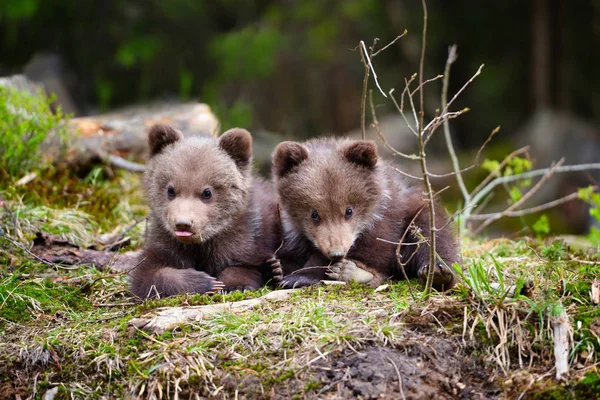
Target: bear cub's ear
x,y
361,152
287,155
160,136
237,142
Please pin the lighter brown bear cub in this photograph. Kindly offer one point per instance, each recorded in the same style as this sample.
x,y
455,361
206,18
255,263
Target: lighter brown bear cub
x,y
337,198
212,224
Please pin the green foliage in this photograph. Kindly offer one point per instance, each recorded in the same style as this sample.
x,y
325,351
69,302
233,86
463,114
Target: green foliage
x,y
25,121
592,197
541,227
247,54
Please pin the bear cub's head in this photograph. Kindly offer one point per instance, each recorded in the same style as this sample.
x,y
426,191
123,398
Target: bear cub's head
x,y
329,190
197,186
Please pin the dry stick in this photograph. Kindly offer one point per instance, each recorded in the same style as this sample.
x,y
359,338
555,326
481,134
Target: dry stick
x,y
451,58
526,175
382,137
445,109
364,96
364,48
388,45
532,210
428,188
28,252
524,198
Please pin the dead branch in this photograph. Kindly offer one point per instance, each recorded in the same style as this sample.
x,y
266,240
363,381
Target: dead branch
x,y
524,198
451,58
475,199
532,210
560,336
169,318
382,137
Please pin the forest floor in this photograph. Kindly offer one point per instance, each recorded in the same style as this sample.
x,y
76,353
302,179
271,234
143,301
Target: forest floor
x,y
68,329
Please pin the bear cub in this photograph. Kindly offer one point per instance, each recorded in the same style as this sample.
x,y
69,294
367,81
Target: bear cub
x,y
213,225
337,198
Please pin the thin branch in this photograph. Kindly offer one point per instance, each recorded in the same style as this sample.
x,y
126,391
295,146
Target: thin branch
x,y
452,218
445,109
452,173
489,139
31,254
400,109
451,58
525,197
382,137
492,174
527,175
408,175
372,69
425,83
532,210
364,96
389,44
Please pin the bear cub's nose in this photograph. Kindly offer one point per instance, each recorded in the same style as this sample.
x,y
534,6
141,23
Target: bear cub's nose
x,y
183,224
336,254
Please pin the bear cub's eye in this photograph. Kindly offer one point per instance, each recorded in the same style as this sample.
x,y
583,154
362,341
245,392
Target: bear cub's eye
x,y
315,215
206,194
349,212
171,192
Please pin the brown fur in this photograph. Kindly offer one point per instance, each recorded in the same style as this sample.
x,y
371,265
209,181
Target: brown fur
x,y
330,176
231,232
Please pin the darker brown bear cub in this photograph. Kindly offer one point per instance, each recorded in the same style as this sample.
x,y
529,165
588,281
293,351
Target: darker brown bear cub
x,y
212,224
336,200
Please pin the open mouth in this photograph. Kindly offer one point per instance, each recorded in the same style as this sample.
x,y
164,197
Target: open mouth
x,y
183,233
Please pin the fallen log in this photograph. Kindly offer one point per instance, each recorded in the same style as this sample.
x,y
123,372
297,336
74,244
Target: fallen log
x,y
120,137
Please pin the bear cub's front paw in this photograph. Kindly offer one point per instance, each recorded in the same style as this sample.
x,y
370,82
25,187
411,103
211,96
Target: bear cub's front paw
x,y
196,281
443,277
347,270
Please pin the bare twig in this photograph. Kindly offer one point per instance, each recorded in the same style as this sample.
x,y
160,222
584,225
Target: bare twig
x,y
548,173
29,253
445,109
494,131
382,137
461,184
527,175
366,55
408,175
389,44
493,174
399,378
532,210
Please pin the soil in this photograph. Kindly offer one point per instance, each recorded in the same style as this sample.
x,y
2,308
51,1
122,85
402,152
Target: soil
x,y
429,367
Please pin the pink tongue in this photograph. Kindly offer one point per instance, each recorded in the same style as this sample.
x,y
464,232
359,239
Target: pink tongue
x,y
183,233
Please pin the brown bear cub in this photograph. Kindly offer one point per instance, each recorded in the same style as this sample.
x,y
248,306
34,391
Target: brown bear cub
x,y
336,200
212,224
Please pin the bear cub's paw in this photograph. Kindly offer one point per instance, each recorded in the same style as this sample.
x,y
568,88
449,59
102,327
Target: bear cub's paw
x,y
443,277
276,270
194,281
347,270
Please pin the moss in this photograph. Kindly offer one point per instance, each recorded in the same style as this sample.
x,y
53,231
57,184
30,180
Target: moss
x,y
555,251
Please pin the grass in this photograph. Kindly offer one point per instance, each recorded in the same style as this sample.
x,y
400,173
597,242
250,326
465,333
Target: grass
x,y
68,328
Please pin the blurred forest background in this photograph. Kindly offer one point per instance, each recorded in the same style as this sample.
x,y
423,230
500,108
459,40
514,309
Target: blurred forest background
x,y
289,67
